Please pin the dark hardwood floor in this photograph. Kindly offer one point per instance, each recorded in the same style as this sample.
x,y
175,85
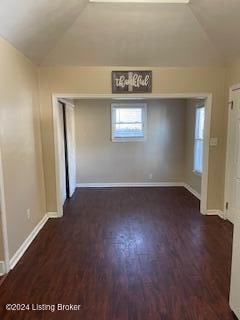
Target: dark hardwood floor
x,y
126,254
2,278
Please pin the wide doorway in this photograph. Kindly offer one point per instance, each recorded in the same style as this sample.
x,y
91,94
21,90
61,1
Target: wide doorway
x,y
135,142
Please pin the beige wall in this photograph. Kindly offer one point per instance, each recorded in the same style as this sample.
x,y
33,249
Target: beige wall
x,y
165,80
20,144
192,179
167,153
21,147
233,74
161,154
1,244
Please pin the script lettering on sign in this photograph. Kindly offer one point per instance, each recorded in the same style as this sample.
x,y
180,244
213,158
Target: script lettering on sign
x,y
131,81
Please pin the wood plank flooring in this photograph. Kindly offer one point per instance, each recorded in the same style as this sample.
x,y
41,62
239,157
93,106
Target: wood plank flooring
x,y
126,254
2,279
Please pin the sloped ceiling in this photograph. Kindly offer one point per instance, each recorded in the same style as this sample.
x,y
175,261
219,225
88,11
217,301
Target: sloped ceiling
x,y
34,26
76,32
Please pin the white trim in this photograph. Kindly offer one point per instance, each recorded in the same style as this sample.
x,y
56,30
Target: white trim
x,y
25,245
56,149
204,180
20,252
139,184
130,184
141,1
197,173
230,218
227,166
216,213
67,102
2,268
139,96
52,215
143,107
3,217
114,97
138,139
235,87
192,191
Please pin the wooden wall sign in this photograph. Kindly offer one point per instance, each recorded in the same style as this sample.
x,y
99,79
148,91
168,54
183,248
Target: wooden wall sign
x,y
131,81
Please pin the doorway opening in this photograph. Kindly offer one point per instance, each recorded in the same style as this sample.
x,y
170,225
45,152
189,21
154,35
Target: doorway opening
x,y
232,177
65,143
201,142
232,191
65,149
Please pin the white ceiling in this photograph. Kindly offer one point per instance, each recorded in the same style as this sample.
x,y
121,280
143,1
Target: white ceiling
x,y
76,32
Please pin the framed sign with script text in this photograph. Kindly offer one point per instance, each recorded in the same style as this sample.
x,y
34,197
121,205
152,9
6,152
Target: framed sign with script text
x,y
131,81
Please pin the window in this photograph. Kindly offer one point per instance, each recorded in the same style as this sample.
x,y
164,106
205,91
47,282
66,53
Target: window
x,y
198,141
128,122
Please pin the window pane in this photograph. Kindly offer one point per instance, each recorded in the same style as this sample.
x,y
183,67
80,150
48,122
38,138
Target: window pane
x,y
198,156
126,115
199,136
199,129
128,121
201,122
125,130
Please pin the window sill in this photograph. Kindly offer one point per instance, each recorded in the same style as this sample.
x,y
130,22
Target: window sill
x,y
128,139
197,173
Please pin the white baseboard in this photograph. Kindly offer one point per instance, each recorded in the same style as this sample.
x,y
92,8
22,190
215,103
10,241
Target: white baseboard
x,y
20,252
191,190
2,268
139,184
52,215
129,184
151,184
215,213
229,218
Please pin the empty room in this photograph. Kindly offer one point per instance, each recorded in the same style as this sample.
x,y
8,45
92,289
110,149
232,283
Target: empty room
x,y
159,143
119,160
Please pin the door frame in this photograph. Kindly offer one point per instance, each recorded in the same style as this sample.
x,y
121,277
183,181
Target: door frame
x,y
65,148
3,217
228,156
80,96
72,183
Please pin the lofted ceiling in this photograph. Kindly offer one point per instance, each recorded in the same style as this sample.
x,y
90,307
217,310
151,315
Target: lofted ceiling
x,y
76,32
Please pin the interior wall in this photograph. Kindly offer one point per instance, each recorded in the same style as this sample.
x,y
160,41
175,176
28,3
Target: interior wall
x,y
23,180
92,80
1,243
20,144
193,179
233,74
161,155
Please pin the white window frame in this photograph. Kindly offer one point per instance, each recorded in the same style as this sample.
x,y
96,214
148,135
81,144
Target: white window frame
x,y
197,172
143,106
